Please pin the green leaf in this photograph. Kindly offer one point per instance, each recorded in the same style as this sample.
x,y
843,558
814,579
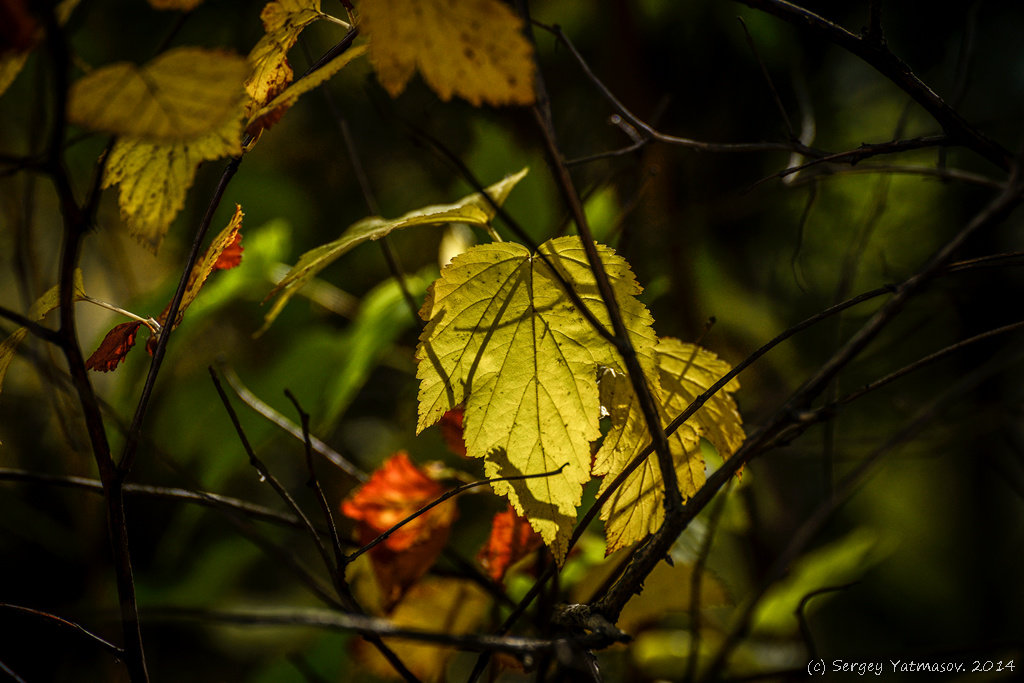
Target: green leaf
x,y
684,371
504,339
383,315
831,566
43,305
473,209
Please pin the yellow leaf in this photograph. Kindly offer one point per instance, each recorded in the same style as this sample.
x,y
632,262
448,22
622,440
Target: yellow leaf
x,y
504,339
302,86
11,65
182,5
473,209
471,48
154,177
270,72
435,604
43,305
684,372
184,93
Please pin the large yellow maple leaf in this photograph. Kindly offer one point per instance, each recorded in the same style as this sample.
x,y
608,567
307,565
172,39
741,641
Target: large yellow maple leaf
x,y
471,48
504,339
636,508
182,94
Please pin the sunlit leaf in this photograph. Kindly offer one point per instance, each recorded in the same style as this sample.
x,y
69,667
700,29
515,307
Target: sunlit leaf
x,y
154,178
454,606
270,72
473,209
395,491
183,94
684,371
472,48
266,116
504,339
43,305
512,538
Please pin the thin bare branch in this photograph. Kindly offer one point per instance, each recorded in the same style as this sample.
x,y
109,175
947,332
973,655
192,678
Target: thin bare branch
x,y
876,54
66,623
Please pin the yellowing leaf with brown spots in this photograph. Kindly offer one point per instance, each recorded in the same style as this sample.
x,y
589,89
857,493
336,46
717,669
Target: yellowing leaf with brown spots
x,y
43,305
685,371
471,48
154,177
182,94
504,339
270,72
271,112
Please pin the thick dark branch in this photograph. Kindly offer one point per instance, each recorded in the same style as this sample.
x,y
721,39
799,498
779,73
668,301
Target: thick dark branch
x,y
131,445
874,52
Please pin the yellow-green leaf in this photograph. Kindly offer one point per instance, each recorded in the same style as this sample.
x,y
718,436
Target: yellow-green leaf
x,y
684,372
154,177
283,21
471,48
43,305
473,209
505,340
304,85
183,94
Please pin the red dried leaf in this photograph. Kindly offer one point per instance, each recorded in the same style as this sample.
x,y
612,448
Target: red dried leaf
x,y
396,490
451,430
114,347
512,538
231,256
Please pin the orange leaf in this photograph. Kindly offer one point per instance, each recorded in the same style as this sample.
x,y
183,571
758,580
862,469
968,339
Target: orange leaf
x,y
395,491
114,347
231,256
451,430
512,538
